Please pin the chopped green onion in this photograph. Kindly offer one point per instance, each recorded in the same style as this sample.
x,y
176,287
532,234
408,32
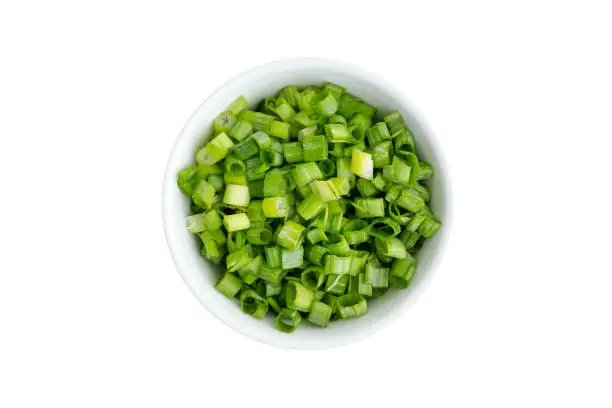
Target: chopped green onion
x,y
224,122
246,149
357,262
310,207
335,89
324,103
239,258
382,154
369,207
249,272
337,245
279,129
393,193
336,264
422,190
363,288
337,119
229,285
315,148
216,181
342,185
298,297
410,200
268,289
304,173
273,303
271,157
241,130
312,277
403,142
290,235
292,258
398,216
429,227
320,314
236,222
402,271
288,320
315,253
293,152
260,121
307,131
253,304
426,171
352,305
236,195
390,246
336,284
315,235
378,133
324,190
215,150
204,194
385,226
273,256
395,122
259,236
348,105
362,164
256,189
356,232
262,140
376,276
337,133
305,100
327,167
276,207
238,105
410,239
256,169
379,182
216,234
284,110
255,211
366,188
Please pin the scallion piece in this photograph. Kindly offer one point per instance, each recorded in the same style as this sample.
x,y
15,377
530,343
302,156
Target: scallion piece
x,y
429,227
288,320
336,284
336,245
259,236
315,148
304,173
425,171
320,313
293,152
292,258
276,207
337,133
378,133
366,188
315,235
298,297
315,253
385,226
324,103
224,122
241,130
382,154
236,222
369,207
390,246
362,164
410,200
229,285
352,305
260,121
273,256
376,276
419,188
312,277
363,288
215,150
203,194
253,304
327,167
324,190
402,271
271,157
310,207
248,272
394,122
336,264
236,195
290,235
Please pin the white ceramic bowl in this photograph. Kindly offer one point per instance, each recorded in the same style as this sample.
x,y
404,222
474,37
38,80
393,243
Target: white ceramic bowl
x,y
201,275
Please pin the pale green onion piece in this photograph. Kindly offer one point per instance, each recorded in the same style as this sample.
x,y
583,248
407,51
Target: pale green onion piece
x,y
362,165
310,207
336,264
275,184
366,188
238,105
290,235
324,103
236,222
426,171
315,148
276,207
260,121
336,284
377,276
312,277
215,150
236,195
337,245
385,226
259,236
272,274
324,190
363,288
241,130
273,256
341,184
410,200
204,194
315,254
352,305
378,133
429,227
304,173
337,133
369,207
224,122
292,258
394,122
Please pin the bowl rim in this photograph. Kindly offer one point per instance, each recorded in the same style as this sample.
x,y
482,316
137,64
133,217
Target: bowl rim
x,y
169,181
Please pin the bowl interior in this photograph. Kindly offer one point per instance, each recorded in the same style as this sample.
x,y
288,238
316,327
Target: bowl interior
x,y
200,275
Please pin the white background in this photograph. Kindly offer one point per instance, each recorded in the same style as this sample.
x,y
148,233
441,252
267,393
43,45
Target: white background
x,y
92,97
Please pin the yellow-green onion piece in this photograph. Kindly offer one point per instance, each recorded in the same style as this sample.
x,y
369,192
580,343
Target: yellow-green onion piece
x,y
215,150
238,105
315,148
324,190
292,258
298,297
276,207
224,122
290,235
253,304
229,285
310,207
352,305
236,222
336,245
260,121
362,164
204,194
236,195
363,288
288,320
304,173
369,207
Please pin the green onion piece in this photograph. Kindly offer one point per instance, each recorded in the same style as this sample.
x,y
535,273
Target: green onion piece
x,y
402,271
410,200
353,285
393,193
236,222
284,110
307,131
256,188
327,167
403,142
224,122
416,221
312,277
382,154
429,227
293,152
229,285
390,246
336,207
275,184
337,150
204,194
310,207
362,165
378,133
259,236
260,121
337,245
236,240
245,149
385,226
279,129
324,103
379,182
352,305
315,235
398,172
422,190
271,157
315,148
236,195
335,89
369,207
320,314
331,300
348,105
304,101
337,119
357,262
215,150
290,235
336,264
363,288
336,222
239,258
262,140
273,303
337,133
256,169
304,120
288,320
336,284
305,191
356,232
216,234
255,211
195,223
343,169
276,207
237,180
360,120
292,258
366,188
270,274
298,297
253,304
377,276
268,289
238,105
341,184
273,256
241,130
249,272
290,94
268,106
398,216
188,179
426,171
324,190
315,253
395,122
304,173
410,239
216,181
